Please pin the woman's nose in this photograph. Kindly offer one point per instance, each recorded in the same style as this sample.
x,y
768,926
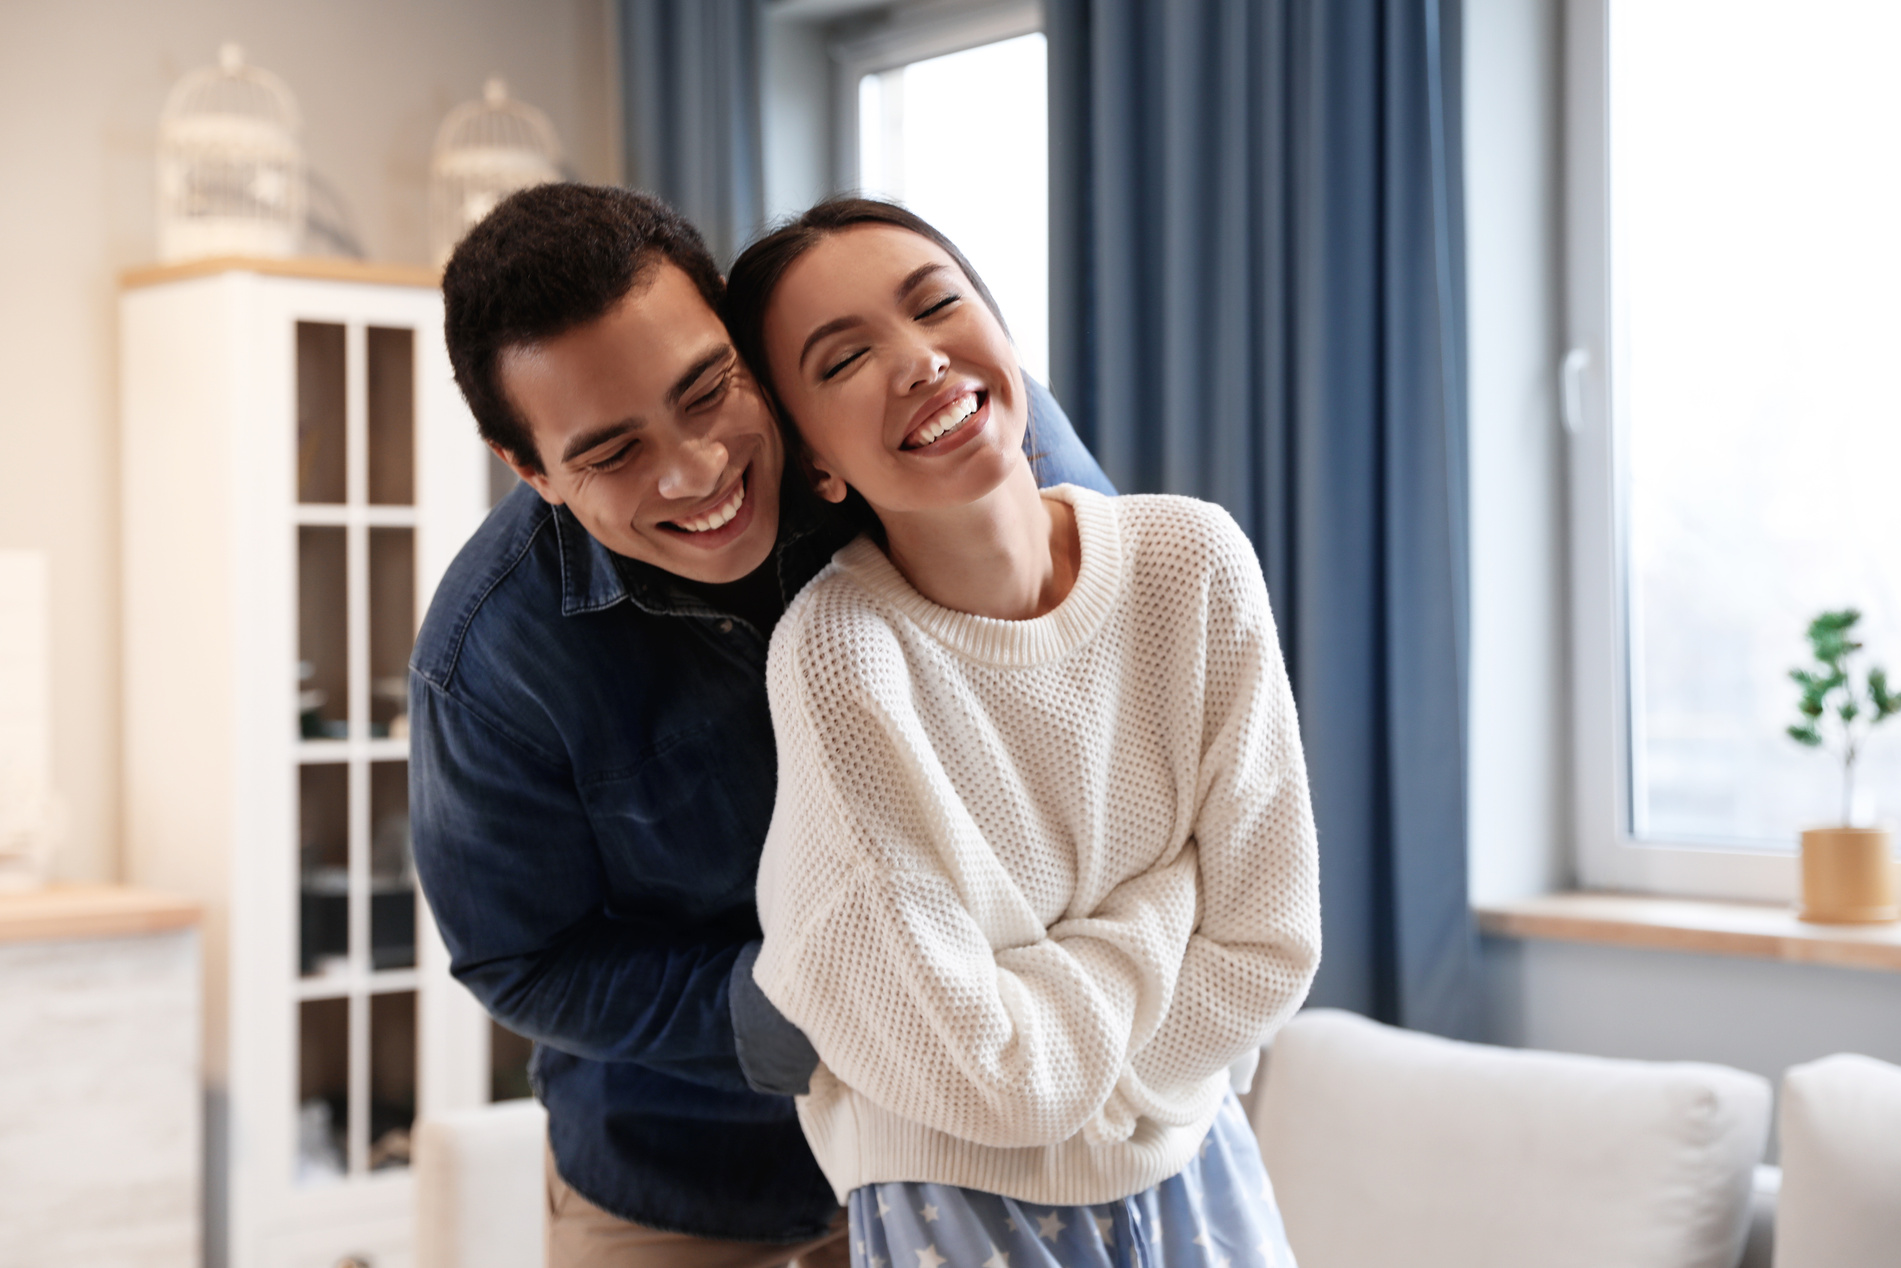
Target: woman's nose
x,y
693,469
922,366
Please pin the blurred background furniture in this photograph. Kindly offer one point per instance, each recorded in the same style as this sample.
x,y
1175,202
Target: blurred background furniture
x,y
1389,1146
1840,1125
480,1192
99,1092
298,471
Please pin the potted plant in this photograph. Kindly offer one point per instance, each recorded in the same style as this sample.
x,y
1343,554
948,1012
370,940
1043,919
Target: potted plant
x,y
1848,872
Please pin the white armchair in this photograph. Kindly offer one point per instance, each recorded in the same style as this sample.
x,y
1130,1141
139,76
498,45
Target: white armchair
x,y
1841,1164
1391,1147
481,1198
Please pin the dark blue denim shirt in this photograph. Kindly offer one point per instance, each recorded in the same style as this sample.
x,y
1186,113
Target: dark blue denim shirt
x,y
591,779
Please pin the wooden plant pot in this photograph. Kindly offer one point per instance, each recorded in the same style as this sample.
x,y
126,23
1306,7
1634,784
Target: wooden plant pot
x,y
1848,876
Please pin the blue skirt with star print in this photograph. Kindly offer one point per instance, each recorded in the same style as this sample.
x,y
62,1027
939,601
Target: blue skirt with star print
x,y
1219,1212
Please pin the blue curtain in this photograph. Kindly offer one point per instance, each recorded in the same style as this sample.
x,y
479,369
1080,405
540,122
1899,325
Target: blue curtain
x,y
690,92
1257,298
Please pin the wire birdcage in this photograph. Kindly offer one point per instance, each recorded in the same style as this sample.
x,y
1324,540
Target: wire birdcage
x,y
230,164
485,151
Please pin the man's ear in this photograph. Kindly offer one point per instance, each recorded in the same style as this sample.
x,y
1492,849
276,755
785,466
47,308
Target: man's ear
x,y
530,476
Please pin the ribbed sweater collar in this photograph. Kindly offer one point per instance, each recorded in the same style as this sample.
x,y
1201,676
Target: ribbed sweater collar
x,y
1036,641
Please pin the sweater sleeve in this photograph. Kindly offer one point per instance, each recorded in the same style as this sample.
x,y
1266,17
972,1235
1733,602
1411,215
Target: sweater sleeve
x,y
896,941
1257,945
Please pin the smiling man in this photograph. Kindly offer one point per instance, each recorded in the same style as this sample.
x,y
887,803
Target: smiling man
x,y
592,765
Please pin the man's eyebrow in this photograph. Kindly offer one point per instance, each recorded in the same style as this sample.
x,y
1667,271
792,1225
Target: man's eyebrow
x,y
706,362
591,440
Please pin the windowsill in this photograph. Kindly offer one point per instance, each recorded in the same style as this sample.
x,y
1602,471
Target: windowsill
x,y
1758,930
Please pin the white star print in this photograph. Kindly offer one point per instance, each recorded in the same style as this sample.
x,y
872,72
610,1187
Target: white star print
x,y
1267,1188
1104,1226
1222,1261
884,1208
929,1212
1050,1225
877,1261
997,1259
927,1257
1158,1228
1204,1147
1011,1224
1201,1239
1269,1255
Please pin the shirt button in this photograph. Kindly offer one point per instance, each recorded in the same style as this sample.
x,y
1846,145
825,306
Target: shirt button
x,y
726,627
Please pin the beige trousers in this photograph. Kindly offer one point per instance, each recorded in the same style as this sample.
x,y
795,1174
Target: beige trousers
x,y
582,1235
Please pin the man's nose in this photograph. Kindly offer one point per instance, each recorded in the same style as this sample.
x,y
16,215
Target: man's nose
x,y
693,469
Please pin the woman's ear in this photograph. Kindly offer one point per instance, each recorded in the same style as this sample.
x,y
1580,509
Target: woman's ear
x,y
817,478
824,483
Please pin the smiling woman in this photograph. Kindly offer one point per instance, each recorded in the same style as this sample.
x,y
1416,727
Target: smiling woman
x,y
1026,945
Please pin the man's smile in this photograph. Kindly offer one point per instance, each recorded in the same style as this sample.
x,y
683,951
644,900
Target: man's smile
x,y
718,517
722,519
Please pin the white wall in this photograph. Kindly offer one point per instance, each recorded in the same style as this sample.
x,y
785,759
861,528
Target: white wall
x,y
1612,1001
1757,1015
81,85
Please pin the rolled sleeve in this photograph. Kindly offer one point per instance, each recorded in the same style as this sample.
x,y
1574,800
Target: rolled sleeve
x,y
774,1054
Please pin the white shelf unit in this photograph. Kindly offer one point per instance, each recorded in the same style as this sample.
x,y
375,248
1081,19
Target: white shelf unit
x,y
298,471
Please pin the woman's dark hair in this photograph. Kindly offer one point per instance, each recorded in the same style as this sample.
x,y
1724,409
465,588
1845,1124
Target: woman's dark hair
x,y
760,268
545,261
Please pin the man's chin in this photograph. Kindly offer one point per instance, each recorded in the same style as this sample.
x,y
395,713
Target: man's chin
x,y
711,564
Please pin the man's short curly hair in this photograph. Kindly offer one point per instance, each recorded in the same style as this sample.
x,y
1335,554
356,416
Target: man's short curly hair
x,y
545,261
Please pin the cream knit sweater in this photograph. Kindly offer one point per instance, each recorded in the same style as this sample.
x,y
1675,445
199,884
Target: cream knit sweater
x,y
1031,886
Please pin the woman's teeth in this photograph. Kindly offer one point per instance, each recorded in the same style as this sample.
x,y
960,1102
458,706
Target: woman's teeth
x,y
720,516
948,420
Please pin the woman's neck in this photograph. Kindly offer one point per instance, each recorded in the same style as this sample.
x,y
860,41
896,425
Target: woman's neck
x,y
1011,555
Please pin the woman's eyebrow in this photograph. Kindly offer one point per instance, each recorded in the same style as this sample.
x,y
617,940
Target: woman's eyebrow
x,y
912,280
831,327
916,278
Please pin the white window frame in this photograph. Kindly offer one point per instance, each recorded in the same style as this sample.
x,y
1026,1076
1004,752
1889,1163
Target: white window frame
x,y
1595,408
913,36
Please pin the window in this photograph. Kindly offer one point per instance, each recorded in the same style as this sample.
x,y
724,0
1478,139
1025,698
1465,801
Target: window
x,y
950,118
1732,258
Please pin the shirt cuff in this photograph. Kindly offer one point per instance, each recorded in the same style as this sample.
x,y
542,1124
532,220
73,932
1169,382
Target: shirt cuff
x,y
774,1055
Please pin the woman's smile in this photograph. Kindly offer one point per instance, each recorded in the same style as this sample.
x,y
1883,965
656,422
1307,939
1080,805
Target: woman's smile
x,y
943,424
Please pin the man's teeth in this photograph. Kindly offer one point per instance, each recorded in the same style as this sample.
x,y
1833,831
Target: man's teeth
x,y
949,419
720,516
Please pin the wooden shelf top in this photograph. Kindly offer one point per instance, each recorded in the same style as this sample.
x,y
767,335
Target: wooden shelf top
x,y
72,912
1761,930
320,268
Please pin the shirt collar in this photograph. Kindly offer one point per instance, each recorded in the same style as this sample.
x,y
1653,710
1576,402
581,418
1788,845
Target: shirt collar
x,y
594,577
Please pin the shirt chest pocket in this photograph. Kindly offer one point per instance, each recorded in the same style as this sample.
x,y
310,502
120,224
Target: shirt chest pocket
x,y
687,818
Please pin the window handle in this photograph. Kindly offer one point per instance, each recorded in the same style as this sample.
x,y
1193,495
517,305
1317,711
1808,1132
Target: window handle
x,y
1571,389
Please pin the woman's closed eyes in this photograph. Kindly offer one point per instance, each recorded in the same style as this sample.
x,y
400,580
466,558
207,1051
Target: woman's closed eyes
x,y
932,309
